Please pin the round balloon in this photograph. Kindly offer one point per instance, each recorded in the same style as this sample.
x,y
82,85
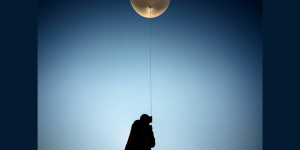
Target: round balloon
x,y
150,8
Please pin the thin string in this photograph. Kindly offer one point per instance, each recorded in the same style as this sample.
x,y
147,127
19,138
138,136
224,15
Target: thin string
x,y
150,68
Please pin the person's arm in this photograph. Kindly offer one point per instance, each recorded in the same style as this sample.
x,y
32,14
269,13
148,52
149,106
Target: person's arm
x,y
151,137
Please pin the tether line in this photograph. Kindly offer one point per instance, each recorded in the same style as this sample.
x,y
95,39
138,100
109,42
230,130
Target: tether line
x,y
150,68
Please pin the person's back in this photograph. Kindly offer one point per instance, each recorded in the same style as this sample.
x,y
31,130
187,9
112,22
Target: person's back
x,y
141,135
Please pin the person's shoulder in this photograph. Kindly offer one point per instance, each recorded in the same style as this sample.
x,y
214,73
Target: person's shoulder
x,y
136,122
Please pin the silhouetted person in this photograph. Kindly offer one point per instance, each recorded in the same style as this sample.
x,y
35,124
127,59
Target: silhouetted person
x,y
141,135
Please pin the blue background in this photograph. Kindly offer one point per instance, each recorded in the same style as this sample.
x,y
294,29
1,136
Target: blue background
x,y
93,74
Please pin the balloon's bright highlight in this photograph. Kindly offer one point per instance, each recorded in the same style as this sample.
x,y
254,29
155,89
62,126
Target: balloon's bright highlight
x,y
142,7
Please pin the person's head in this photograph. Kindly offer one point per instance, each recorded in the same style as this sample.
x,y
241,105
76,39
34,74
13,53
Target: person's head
x,y
145,118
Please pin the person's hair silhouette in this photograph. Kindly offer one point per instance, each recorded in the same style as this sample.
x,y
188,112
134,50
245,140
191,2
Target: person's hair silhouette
x,y
141,135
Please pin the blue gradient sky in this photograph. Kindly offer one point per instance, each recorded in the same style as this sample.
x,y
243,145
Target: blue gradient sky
x,y
93,75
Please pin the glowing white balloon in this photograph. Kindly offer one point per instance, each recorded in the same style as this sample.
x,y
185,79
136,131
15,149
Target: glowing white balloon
x,y
142,7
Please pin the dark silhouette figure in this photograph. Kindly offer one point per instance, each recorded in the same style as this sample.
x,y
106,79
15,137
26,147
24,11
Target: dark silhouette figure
x,y
141,135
